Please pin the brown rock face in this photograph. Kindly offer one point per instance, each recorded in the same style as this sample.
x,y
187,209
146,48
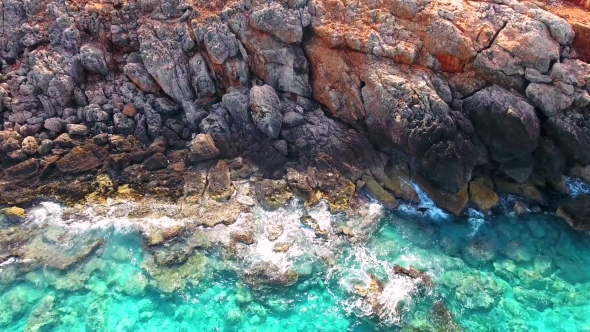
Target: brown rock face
x,y
82,159
220,184
482,196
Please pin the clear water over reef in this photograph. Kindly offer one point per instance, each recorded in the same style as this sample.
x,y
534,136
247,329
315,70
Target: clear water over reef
x,y
492,273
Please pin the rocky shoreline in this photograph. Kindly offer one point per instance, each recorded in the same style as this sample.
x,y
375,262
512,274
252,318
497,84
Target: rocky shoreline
x,y
177,100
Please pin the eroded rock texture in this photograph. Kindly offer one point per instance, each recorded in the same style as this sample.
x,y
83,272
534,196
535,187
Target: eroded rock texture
x,y
448,91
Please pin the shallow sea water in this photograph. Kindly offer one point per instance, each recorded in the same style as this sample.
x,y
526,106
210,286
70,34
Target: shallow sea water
x,y
493,273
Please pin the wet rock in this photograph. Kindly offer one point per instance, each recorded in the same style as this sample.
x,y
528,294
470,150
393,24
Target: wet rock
x,y
577,213
310,222
155,162
454,203
29,145
219,179
169,279
93,59
442,318
139,75
481,195
262,275
549,158
272,194
245,237
202,147
266,110
274,231
525,190
13,214
159,235
82,159
414,273
519,208
382,195
43,316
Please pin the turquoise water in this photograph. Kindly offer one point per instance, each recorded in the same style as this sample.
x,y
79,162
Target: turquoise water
x,y
492,273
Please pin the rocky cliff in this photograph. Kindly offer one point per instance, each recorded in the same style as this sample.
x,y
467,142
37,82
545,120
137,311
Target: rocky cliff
x,y
462,97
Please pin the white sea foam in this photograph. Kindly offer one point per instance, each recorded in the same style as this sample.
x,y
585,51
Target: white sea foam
x,y
426,208
577,187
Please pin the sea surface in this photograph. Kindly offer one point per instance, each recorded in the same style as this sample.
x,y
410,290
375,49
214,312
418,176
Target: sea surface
x,y
489,273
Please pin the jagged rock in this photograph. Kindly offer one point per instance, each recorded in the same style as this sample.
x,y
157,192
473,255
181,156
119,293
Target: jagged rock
x,y
139,75
283,23
202,83
549,98
219,179
237,102
272,194
166,107
93,59
153,121
123,124
29,145
94,113
244,237
155,162
165,61
266,110
519,209
202,147
262,275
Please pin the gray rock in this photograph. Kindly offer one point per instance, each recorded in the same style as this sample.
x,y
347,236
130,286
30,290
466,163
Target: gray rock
x,y
140,130
54,124
237,102
535,76
165,61
266,110
155,162
20,117
292,119
153,121
283,23
139,75
92,58
94,113
220,42
550,99
192,115
165,106
203,84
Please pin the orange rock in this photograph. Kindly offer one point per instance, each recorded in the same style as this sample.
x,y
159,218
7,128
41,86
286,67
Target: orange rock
x,y
129,110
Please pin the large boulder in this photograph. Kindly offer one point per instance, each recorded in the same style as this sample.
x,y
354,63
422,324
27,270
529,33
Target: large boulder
x,y
202,147
93,59
139,75
266,110
495,107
